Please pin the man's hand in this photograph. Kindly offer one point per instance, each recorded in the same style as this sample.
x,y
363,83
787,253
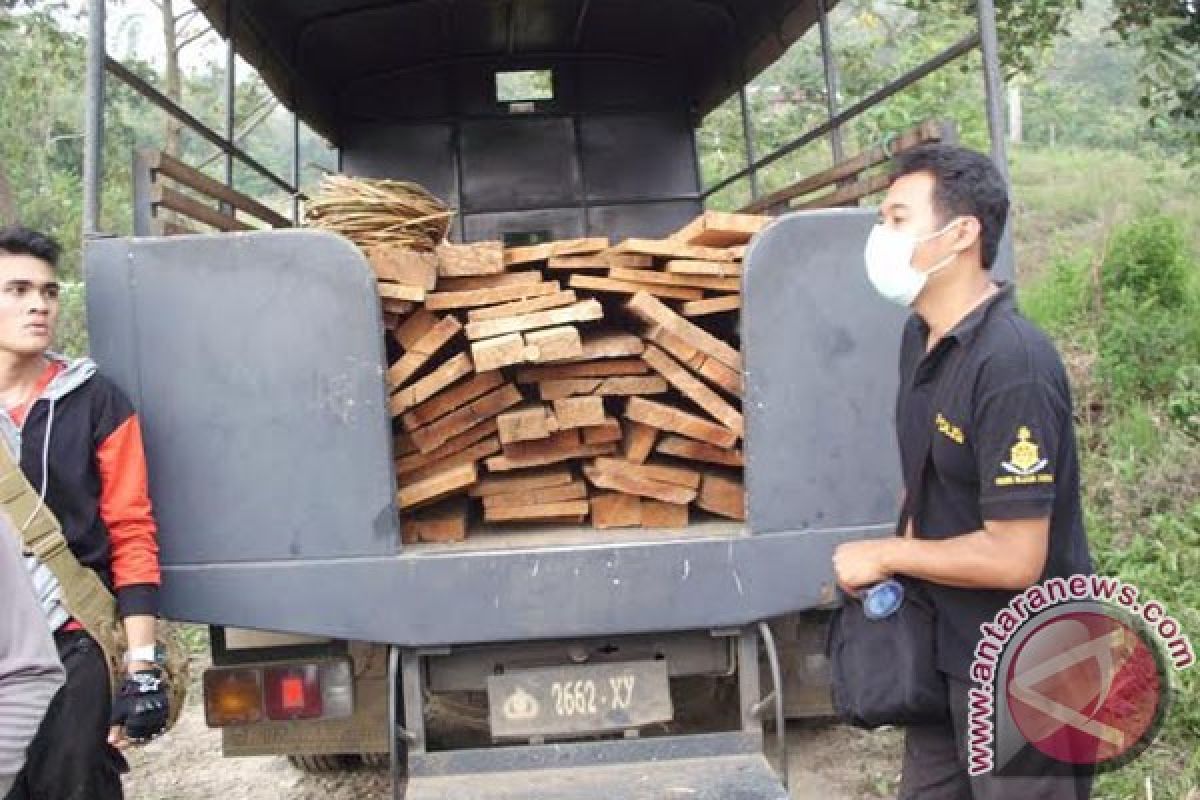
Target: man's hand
x,y
139,709
861,564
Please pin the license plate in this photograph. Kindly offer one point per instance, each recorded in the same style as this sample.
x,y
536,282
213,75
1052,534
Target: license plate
x,y
593,698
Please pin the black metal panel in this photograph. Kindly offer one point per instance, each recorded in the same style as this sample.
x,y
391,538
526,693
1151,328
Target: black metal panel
x,y
519,163
643,156
821,372
349,45
560,223
421,153
414,94
476,82
256,363
623,84
647,220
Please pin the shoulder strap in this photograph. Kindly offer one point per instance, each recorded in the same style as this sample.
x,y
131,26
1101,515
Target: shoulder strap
x,y
86,597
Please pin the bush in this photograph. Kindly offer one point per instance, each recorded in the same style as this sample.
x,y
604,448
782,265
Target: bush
x,y
1149,258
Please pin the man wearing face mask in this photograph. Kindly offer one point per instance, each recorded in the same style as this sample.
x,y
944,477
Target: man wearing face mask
x,y
983,421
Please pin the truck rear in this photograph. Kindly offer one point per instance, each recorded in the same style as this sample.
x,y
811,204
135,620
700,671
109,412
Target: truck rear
x,y
525,660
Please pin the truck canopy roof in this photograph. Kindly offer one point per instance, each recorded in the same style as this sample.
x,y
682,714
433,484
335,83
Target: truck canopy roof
x,y
312,53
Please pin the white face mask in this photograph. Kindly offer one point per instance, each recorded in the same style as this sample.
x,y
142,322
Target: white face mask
x,y
889,255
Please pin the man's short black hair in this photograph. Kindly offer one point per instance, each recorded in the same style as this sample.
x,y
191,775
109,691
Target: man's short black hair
x,y
16,240
966,183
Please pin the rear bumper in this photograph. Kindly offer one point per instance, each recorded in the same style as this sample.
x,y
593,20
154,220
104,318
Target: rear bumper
x,y
689,580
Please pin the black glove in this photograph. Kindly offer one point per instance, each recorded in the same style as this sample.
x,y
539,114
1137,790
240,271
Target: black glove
x,y
141,705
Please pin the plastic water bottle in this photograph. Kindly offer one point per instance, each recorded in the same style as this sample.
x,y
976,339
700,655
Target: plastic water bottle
x,y
883,599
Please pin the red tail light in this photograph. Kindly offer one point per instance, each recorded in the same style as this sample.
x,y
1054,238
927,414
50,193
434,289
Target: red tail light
x,y
292,692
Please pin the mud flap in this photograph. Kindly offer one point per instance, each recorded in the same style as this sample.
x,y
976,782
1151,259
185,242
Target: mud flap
x,y
733,777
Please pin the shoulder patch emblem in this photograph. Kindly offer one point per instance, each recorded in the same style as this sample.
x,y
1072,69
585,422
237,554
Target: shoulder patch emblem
x,y
1024,458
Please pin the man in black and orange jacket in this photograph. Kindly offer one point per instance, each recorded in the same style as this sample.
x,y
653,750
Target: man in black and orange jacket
x,y
80,445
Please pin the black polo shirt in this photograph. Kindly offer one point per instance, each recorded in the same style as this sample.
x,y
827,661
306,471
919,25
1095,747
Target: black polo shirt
x,y
991,407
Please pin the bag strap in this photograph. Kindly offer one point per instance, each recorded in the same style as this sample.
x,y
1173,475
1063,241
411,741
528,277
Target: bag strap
x,y
913,488
83,593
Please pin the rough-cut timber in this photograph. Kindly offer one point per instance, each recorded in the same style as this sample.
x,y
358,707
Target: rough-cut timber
x,y
396,264
490,405
471,455
543,252
610,345
639,440
553,344
436,486
423,350
616,386
577,263
457,444
468,260
703,365
653,312
622,481
695,390
524,481
413,328
709,282
586,369
606,432
722,495
656,514
444,301
556,300
579,412
721,229
471,284
575,490
668,418
616,510
526,423
454,370
583,311
663,473
442,404
668,248
556,449
570,510
441,523
712,305
499,351
680,447
596,284
716,269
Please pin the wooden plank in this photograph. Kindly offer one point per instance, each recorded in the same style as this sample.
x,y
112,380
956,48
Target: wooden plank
x,y
610,345
579,412
416,326
722,495
437,486
163,197
470,260
616,386
469,455
721,229
176,170
585,369
456,444
567,510
694,389
543,252
718,269
423,350
543,446
444,301
607,432
681,447
398,291
609,285
710,282
441,523
616,510
652,311
584,311
630,484
402,444
397,264
661,473
627,260
738,251
555,300
553,344
639,440
575,490
526,423
927,131
668,418
491,404
656,514
449,373
708,368
523,460
489,281
668,248
596,262
400,308
712,305
847,195
499,351
522,481
443,403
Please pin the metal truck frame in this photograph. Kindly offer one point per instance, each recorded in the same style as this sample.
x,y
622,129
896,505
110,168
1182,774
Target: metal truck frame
x,y
256,361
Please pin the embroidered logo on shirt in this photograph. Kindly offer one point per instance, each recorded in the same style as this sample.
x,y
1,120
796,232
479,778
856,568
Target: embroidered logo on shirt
x,y
1024,462
949,429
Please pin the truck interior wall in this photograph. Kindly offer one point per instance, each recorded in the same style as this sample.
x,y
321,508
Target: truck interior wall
x,y
613,153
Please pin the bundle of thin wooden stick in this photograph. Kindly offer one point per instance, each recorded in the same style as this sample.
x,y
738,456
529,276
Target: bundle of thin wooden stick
x,y
377,212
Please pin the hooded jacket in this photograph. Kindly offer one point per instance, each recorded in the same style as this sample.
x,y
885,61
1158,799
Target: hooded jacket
x,y
80,443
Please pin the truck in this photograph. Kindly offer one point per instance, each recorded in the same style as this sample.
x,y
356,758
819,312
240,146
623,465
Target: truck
x,y
569,663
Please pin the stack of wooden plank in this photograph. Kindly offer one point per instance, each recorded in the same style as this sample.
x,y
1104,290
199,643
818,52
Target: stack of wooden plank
x,y
567,381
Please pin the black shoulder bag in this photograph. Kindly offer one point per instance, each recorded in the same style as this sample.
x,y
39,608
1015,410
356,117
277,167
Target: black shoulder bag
x,y
884,671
